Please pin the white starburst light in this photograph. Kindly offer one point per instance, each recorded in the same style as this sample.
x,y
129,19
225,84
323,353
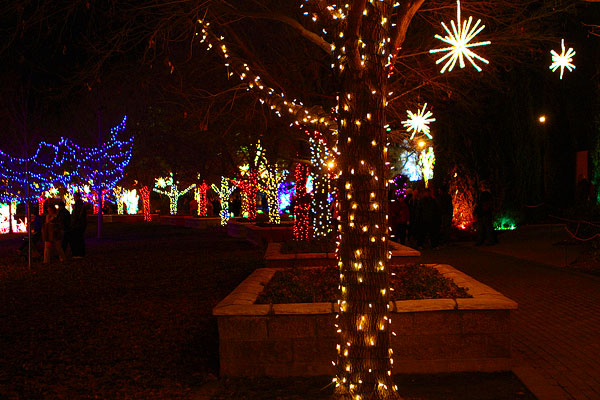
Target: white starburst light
x,y
562,60
459,40
419,122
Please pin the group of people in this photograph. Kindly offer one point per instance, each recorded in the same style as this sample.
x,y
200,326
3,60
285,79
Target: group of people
x,y
421,216
58,230
424,216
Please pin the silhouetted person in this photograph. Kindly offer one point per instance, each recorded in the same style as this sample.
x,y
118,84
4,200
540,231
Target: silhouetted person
x,y
399,218
428,219
484,212
52,235
78,225
64,219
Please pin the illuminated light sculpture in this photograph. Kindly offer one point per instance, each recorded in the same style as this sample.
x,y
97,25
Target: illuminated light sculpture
x,y
272,177
69,200
201,199
119,193
224,192
53,192
132,201
101,167
7,219
173,193
247,182
145,192
300,230
459,40
427,162
419,122
322,162
462,189
562,60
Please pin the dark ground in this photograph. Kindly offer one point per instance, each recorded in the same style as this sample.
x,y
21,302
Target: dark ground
x,y
133,321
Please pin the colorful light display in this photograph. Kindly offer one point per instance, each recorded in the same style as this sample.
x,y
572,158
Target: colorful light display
x,y
427,162
419,122
247,181
322,161
271,178
173,193
119,193
8,222
145,192
364,355
301,229
131,201
201,199
459,40
562,60
224,192
66,164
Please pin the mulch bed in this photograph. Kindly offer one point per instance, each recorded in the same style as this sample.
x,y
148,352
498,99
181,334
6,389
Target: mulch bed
x,y
133,320
409,282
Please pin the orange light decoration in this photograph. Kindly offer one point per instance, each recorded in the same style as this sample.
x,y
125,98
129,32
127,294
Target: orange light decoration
x,y
200,196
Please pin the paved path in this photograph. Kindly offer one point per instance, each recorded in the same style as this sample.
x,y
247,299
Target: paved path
x,y
557,326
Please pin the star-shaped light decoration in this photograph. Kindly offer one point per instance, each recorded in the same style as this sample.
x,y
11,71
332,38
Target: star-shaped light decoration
x,y
459,40
419,122
562,60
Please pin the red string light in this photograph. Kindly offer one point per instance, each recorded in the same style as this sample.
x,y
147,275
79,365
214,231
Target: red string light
x,y
302,207
145,192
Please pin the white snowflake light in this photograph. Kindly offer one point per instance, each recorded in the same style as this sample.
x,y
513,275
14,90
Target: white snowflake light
x,y
562,60
419,122
459,40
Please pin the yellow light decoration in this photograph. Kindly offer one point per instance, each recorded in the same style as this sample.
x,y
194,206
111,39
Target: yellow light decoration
x,y
173,193
224,192
459,40
321,159
427,162
562,60
419,122
271,179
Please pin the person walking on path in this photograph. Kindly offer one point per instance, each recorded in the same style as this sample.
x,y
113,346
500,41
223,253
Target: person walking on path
x,y
484,212
64,219
78,225
52,235
428,220
399,218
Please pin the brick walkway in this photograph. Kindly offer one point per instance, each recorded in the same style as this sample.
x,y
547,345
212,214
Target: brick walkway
x,y
556,337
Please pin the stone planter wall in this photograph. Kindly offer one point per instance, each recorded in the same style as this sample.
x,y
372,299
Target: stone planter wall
x,y
276,259
432,336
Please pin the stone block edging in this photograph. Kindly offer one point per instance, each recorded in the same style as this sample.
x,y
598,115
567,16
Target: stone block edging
x,y
431,336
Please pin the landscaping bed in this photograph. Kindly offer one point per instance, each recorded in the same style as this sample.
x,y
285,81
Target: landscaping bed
x,y
432,335
315,285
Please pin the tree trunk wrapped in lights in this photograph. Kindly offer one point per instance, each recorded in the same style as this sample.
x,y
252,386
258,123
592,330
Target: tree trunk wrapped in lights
x,y
201,199
364,353
248,184
145,192
322,161
300,229
224,192
272,177
173,193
